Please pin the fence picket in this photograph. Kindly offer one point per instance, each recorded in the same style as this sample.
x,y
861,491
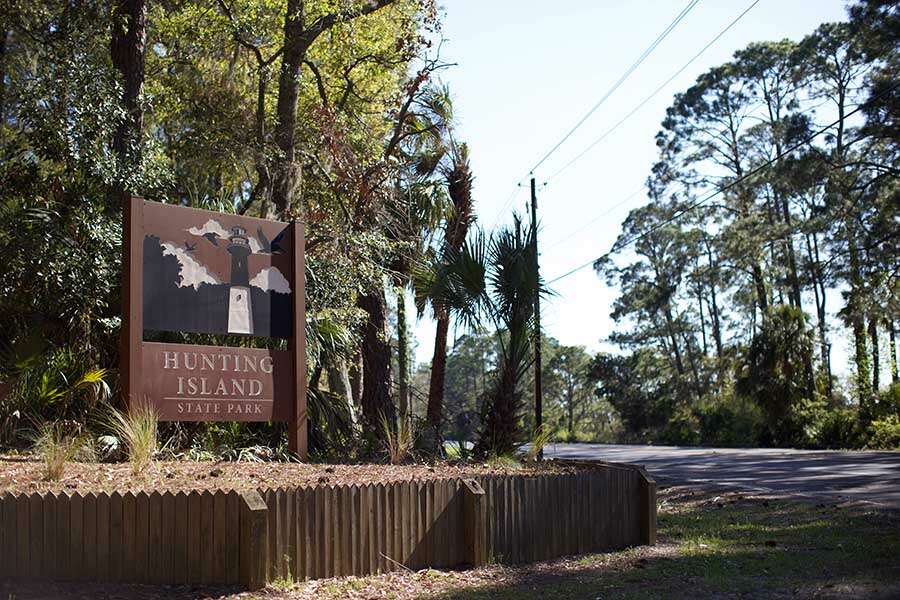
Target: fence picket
x,y
232,537
182,533
48,533
318,531
76,536
141,536
194,570
168,551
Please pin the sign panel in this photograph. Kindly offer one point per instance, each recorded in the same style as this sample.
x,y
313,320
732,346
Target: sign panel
x,y
207,272
217,383
213,272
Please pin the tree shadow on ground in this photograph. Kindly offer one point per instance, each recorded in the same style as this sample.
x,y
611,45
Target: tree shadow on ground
x,y
729,547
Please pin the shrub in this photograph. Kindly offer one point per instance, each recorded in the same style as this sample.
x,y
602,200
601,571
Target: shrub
x,y
137,430
398,443
889,401
838,428
58,448
734,421
885,433
683,429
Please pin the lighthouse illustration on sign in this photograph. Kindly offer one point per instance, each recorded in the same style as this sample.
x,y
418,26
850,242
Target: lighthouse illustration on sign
x,y
240,312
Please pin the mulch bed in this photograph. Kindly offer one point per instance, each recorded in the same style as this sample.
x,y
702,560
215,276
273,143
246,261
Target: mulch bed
x,y
20,474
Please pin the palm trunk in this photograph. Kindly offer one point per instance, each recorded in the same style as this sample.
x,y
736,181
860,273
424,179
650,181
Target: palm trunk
x,y
402,353
438,374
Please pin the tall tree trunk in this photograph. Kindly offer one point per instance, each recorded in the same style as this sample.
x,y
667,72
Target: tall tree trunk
x,y
714,305
892,333
402,353
777,286
298,37
812,250
296,44
791,256
876,357
339,384
355,371
4,41
438,374
857,323
127,49
702,318
376,362
695,373
670,328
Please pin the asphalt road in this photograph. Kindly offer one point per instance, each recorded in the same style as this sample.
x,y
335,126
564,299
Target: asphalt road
x,y
826,475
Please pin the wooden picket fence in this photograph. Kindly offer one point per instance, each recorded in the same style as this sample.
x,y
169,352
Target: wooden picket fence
x,y
311,532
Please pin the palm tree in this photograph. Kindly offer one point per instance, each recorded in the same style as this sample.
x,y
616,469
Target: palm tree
x,y
420,205
458,174
513,280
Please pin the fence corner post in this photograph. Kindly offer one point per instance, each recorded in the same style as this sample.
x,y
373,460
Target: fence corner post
x,y
254,540
474,512
647,508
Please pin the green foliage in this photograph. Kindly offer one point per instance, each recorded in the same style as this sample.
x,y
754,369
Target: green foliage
x,y
513,281
772,372
730,422
885,433
838,428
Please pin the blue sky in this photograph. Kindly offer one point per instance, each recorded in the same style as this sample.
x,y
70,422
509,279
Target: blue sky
x,y
528,71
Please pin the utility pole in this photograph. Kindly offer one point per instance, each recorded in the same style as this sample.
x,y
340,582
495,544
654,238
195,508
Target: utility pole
x,y
538,393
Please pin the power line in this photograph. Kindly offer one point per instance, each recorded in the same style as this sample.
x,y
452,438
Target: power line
x,y
655,92
597,218
646,53
621,80
722,190
509,199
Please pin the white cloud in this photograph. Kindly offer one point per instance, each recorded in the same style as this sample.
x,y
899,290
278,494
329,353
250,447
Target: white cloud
x,y
214,227
211,226
271,279
192,273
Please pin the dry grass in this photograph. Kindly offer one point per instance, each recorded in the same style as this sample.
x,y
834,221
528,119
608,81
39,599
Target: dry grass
x,y
398,443
57,448
540,439
137,430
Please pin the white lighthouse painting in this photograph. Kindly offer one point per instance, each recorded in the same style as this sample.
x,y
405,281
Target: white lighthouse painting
x,y
218,278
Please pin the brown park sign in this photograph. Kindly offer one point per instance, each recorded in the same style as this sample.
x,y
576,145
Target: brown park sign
x,y
206,272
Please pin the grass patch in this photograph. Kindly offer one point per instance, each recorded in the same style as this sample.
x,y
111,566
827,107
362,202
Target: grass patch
x,y
710,547
730,545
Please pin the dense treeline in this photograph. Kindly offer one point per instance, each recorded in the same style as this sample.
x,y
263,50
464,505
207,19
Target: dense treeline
x,y
333,113
729,304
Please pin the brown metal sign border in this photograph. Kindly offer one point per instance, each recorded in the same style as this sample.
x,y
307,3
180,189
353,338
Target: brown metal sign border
x,y
135,382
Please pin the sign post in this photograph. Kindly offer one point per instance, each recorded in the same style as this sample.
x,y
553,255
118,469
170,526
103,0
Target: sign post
x,y
200,271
